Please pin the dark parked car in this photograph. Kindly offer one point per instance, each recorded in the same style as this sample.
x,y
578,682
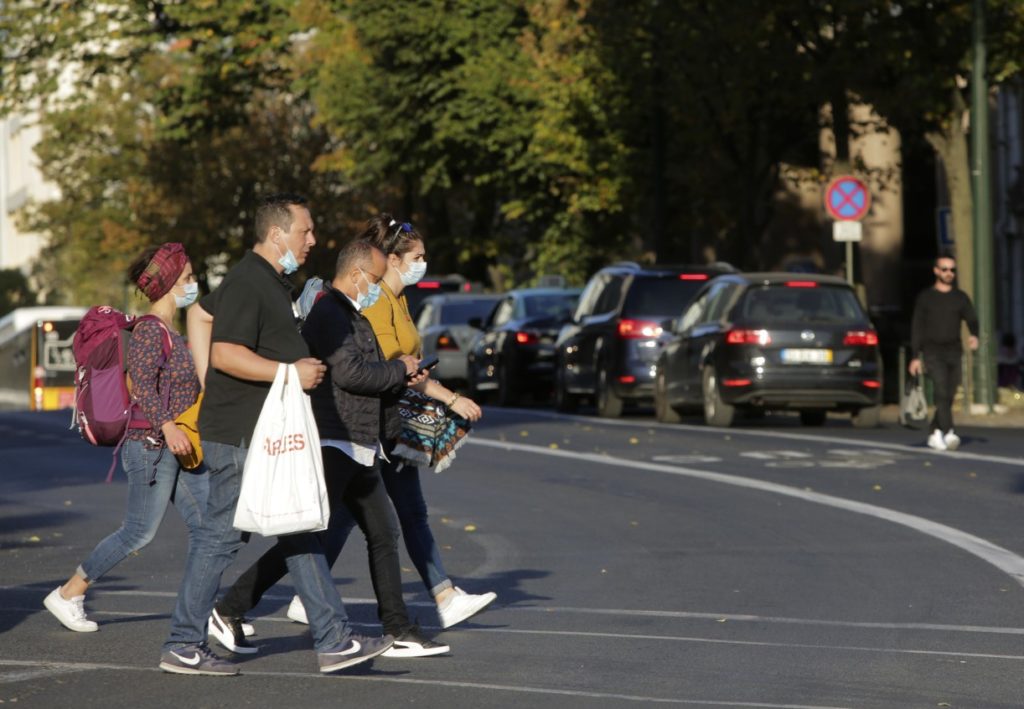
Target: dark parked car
x,y
514,354
443,324
609,349
763,341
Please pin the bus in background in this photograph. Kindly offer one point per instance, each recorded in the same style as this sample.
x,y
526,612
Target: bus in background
x,y
37,366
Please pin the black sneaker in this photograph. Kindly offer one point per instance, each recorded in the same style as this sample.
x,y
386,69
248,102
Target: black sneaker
x,y
196,660
227,630
411,643
358,649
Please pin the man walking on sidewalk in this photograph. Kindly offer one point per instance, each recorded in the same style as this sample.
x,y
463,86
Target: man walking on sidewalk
x,y
935,339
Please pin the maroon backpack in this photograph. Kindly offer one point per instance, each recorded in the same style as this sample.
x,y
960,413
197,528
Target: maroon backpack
x,y
104,410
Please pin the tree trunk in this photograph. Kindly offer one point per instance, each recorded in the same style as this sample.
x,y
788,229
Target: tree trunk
x,y
950,146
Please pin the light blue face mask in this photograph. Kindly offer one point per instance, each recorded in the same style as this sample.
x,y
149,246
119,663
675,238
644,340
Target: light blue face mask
x,y
417,269
191,293
367,299
288,261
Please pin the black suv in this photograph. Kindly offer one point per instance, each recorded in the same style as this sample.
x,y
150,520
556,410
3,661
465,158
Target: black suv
x,y
780,341
609,350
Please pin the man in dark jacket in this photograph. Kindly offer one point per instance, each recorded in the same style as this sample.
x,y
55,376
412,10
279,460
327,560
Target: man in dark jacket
x,y
352,421
935,338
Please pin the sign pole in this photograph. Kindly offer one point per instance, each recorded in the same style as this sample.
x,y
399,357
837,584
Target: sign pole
x,y
849,262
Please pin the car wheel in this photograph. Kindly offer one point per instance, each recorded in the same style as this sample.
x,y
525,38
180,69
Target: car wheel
x,y
813,417
662,409
565,401
867,417
507,394
609,404
716,411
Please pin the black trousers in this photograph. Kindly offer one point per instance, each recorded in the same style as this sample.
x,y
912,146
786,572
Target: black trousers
x,y
358,488
944,368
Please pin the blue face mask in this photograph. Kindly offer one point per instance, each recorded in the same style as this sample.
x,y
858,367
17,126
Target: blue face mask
x,y
288,261
367,299
417,269
191,293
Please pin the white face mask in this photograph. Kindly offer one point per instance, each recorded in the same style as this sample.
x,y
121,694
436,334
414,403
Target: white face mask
x,y
191,293
417,269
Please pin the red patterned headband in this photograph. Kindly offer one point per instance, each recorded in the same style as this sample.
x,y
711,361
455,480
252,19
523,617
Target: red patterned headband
x,y
163,270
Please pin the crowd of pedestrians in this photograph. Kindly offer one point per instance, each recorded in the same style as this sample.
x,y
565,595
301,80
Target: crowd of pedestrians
x,y
356,353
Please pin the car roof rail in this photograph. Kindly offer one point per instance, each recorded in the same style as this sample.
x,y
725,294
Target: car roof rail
x,y
625,264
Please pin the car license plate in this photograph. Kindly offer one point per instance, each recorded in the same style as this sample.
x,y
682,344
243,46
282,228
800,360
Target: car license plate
x,y
791,356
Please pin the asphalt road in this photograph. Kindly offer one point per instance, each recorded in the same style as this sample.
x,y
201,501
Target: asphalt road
x,y
767,565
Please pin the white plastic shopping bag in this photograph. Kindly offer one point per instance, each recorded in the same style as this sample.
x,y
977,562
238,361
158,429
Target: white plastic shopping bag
x,y
283,488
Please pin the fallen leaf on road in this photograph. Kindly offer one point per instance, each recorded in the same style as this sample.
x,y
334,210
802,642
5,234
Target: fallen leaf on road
x,y
524,434
445,520
876,488
33,538
634,524
927,464
553,446
634,440
722,620
604,571
972,475
470,527
67,503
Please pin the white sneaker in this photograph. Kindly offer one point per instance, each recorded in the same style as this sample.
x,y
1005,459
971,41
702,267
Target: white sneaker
x,y
297,611
462,605
71,613
936,440
951,440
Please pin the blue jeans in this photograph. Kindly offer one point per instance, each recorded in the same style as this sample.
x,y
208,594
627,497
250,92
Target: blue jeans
x,y
403,487
217,545
154,479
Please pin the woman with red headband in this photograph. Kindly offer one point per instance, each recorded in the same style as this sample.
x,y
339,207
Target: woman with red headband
x,y
163,386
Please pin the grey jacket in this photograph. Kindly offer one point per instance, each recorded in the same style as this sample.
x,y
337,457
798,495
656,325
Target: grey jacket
x,y
357,402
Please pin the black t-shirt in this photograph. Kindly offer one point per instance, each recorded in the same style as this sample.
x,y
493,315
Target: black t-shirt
x,y
937,318
252,307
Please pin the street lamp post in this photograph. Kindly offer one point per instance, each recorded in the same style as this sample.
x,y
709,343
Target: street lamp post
x,y
984,289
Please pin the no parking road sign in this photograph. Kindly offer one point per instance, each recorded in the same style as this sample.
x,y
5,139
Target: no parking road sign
x,y
847,198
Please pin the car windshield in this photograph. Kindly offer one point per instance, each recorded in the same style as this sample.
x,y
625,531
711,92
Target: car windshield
x,y
654,296
460,312
557,305
769,305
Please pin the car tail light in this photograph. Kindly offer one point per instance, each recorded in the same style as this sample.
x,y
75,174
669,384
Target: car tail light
x,y
627,379
467,287
801,284
638,329
693,276
527,338
446,342
429,285
748,337
861,338
872,383
735,382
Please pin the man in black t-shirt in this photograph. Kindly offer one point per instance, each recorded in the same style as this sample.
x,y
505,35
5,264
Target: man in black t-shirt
x,y
254,330
935,339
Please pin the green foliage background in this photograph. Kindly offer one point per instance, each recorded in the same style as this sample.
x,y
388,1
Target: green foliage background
x,y
523,137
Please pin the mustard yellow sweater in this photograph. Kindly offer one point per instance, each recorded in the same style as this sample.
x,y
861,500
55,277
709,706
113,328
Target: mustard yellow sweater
x,y
393,325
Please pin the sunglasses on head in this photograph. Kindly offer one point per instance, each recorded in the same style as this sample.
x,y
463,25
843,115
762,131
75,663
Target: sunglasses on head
x,y
404,227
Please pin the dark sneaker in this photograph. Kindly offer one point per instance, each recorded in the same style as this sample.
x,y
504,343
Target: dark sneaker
x,y
228,631
196,660
358,649
411,643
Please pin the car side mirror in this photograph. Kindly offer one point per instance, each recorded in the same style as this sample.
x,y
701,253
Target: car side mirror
x,y
476,323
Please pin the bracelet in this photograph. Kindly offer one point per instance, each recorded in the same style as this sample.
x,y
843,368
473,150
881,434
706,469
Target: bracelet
x,y
455,397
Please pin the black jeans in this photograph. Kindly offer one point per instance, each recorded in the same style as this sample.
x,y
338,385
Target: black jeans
x,y
361,491
944,368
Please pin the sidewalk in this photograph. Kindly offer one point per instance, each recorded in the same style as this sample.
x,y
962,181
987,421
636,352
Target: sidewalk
x,y
1009,412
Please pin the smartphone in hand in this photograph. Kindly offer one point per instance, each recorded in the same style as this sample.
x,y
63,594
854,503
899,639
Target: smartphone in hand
x,y
428,362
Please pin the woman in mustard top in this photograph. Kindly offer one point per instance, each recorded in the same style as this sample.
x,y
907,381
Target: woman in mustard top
x,y
396,332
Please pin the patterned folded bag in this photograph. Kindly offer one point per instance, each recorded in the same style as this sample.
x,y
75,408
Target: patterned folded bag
x,y
430,433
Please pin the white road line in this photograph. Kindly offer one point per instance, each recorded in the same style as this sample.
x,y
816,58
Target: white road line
x,y
92,666
35,672
809,438
548,610
1003,559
